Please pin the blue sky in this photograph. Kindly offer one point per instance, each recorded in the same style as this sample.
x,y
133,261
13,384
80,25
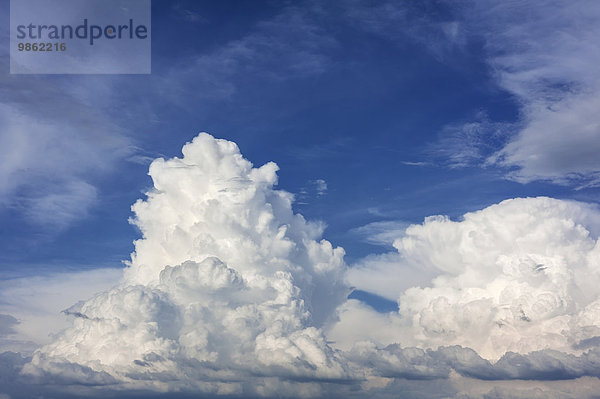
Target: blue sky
x,y
325,99
378,114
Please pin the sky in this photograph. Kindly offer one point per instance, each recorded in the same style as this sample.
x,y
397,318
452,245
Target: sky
x,y
309,199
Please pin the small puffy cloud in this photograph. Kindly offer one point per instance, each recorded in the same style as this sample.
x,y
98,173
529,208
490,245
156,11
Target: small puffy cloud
x,y
313,189
320,187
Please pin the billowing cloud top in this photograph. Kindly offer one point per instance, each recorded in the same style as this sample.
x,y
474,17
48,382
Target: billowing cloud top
x,y
226,280
229,292
212,202
518,276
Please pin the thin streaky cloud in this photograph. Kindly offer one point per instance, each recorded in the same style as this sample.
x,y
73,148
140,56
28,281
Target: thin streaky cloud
x,y
547,57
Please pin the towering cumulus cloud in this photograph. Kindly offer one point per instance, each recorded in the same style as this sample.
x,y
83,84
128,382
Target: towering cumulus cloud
x,y
519,276
227,281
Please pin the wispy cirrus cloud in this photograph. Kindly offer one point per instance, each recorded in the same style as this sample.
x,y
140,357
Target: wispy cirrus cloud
x,y
431,24
53,145
546,56
291,44
381,233
469,143
313,189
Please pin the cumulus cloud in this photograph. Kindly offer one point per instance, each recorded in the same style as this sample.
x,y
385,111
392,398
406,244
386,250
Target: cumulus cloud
x,y
517,276
229,292
226,281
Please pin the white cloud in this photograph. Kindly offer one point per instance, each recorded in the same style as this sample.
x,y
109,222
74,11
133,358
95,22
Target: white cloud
x,y
52,147
229,292
468,144
517,276
580,388
60,209
313,189
442,35
360,323
415,163
367,275
290,44
381,233
560,142
546,55
7,323
226,280
36,304
320,187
